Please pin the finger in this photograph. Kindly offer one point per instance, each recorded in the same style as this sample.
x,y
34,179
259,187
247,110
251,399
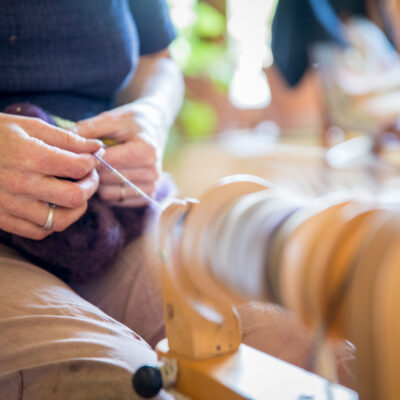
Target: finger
x,y
119,126
65,193
22,227
115,193
60,138
102,125
133,154
24,207
64,217
33,155
36,211
136,175
48,160
50,189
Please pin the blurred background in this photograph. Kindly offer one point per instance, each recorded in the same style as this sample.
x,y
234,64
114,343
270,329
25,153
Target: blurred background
x,y
305,82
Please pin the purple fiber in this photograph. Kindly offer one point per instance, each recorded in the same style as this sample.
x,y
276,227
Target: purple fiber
x,y
29,110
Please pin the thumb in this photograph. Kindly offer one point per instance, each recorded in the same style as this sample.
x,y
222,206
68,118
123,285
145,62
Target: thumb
x,y
102,125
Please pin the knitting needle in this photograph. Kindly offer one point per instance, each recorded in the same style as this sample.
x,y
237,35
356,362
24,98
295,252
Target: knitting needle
x,y
128,182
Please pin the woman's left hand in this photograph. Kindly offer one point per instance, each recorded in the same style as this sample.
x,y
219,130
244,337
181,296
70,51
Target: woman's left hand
x,y
135,155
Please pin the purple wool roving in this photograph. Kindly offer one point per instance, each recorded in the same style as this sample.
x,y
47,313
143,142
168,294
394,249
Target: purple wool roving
x,y
90,245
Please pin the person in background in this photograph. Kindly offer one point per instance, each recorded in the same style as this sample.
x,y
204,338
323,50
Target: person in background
x,y
296,28
297,96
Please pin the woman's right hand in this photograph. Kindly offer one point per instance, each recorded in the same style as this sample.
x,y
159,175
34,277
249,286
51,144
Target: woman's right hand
x,y
34,159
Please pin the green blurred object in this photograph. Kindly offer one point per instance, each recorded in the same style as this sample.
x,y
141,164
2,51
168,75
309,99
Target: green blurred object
x,y
201,51
210,22
63,123
198,119
202,46
202,56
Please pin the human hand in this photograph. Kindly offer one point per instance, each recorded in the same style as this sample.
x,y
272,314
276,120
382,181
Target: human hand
x,y
35,159
135,156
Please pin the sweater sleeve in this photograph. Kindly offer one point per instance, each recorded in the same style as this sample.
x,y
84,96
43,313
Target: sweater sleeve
x,y
153,23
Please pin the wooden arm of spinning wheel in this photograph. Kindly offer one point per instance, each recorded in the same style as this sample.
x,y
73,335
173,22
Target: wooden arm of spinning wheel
x,y
200,319
195,327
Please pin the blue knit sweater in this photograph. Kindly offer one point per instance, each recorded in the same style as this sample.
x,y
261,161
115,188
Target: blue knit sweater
x,y
71,57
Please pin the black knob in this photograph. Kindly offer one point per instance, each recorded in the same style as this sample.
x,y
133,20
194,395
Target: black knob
x,y
147,381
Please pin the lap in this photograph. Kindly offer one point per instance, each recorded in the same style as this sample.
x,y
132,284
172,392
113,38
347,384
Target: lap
x,y
56,345
130,291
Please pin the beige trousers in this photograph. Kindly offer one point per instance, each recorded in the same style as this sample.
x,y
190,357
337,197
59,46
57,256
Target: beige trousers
x,y
56,344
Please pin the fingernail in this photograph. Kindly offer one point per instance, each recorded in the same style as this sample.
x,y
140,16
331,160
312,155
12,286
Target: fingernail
x,y
100,153
97,141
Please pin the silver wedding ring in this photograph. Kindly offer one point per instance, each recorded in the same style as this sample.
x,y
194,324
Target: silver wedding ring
x,y
49,222
122,195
